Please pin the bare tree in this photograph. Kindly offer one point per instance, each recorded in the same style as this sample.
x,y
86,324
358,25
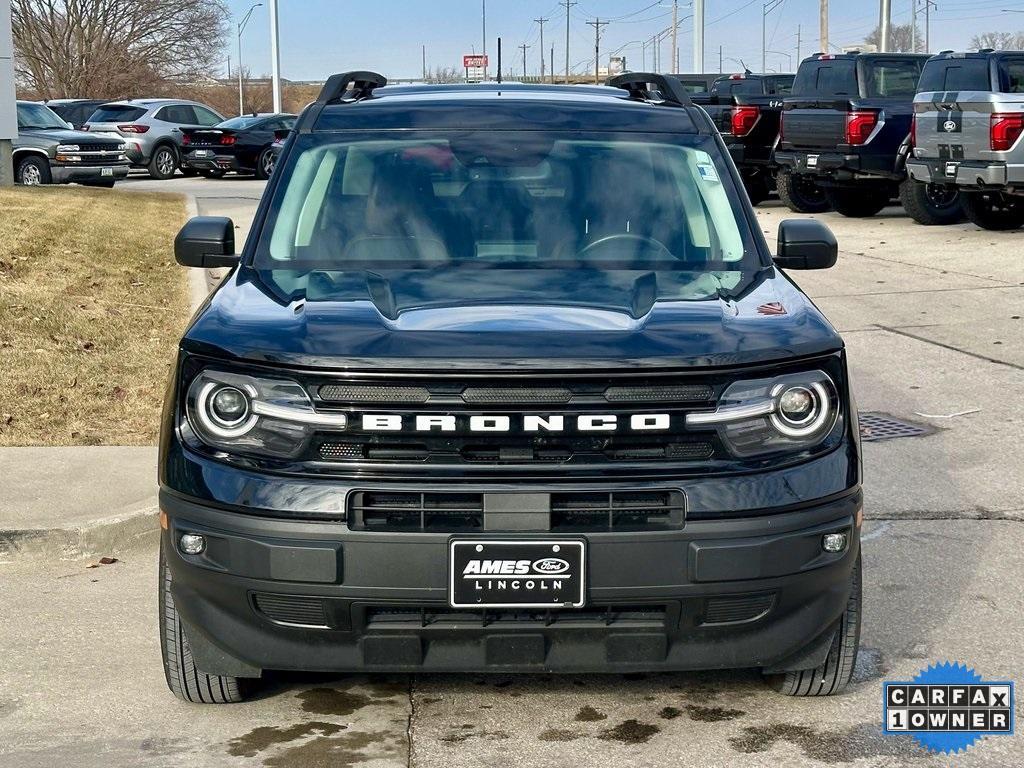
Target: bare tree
x,y
114,48
1000,41
900,37
445,75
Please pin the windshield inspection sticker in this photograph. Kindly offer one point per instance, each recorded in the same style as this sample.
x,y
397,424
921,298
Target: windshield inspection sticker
x,y
948,707
707,171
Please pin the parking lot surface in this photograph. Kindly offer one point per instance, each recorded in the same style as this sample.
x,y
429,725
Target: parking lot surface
x,y
932,319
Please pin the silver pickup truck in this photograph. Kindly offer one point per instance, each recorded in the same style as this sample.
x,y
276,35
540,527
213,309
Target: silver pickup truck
x,y
968,121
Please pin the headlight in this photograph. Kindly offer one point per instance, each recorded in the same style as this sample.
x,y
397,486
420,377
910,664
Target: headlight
x,y
786,413
239,413
67,148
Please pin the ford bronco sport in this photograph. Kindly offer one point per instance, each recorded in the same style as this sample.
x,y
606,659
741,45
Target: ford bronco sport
x,y
506,379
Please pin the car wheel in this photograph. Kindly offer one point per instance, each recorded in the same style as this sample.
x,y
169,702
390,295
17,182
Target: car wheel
x,y
993,210
211,174
857,202
185,681
163,163
832,676
931,204
800,194
265,163
33,171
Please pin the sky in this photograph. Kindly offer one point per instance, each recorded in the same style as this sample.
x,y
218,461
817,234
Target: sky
x,y
320,37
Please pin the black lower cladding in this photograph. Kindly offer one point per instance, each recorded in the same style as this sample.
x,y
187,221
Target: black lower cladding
x,y
268,593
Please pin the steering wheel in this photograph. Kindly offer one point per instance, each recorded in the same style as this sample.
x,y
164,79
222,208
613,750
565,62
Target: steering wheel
x,y
640,243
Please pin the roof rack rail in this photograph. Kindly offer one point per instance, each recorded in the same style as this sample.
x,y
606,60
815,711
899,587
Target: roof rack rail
x,y
670,90
337,86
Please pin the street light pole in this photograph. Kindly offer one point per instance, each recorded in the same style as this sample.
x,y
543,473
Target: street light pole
x,y
885,17
241,29
275,57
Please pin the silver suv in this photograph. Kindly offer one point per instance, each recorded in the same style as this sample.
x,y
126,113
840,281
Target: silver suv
x,y
152,129
968,121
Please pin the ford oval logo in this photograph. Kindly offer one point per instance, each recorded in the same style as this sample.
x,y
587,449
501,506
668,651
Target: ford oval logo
x,y
949,126
550,565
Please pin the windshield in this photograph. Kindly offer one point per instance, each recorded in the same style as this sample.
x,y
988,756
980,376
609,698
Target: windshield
x,y
38,116
469,201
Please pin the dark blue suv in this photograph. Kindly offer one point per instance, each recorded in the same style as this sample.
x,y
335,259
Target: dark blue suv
x,y
506,379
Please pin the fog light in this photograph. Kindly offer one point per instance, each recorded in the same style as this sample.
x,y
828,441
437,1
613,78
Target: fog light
x,y
833,542
191,543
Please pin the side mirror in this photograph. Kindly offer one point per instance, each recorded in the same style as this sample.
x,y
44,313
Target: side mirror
x,y
207,242
806,244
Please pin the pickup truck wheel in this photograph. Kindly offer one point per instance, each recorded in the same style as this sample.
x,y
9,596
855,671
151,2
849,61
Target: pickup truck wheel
x,y
993,210
857,203
33,171
800,194
163,163
832,676
185,681
931,204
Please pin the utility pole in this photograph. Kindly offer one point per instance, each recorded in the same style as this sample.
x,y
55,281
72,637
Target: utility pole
x,y
275,57
541,21
928,26
675,35
798,45
913,26
768,7
884,20
483,17
568,4
523,48
720,62
241,29
424,63
698,36
823,25
597,24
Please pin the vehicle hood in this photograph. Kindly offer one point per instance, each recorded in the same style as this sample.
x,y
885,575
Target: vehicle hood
x,y
68,136
770,320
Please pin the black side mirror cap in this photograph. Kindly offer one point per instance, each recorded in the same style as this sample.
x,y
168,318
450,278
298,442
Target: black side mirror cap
x,y
206,242
806,244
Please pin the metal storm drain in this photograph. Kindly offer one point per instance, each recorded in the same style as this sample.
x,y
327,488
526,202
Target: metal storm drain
x,y
881,426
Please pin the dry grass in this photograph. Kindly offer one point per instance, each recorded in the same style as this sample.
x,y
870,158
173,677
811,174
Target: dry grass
x,y
91,307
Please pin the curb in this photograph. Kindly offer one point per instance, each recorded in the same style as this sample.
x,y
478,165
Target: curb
x,y
107,536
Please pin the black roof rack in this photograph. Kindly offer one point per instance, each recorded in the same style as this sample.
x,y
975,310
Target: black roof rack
x,y
638,84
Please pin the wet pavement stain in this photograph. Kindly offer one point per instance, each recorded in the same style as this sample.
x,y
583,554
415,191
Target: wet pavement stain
x,y
712,714
430,699
669,713
343,751
332,701
262,738
588,714
630,732
860,741
559,734
458,738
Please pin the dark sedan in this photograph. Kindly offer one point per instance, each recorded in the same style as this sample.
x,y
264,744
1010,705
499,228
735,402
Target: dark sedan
x,y
241,144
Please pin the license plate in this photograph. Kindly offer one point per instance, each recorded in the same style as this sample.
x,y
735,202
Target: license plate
x,y
812,161
106,172
516,574
202,153
951,169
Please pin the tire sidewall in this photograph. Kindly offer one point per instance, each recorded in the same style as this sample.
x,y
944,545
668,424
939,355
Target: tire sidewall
x,y
42,168
154,165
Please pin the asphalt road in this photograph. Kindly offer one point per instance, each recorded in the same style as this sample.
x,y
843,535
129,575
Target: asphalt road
x,y
932,319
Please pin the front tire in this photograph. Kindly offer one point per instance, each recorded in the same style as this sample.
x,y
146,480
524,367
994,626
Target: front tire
x,y
163,163
185,681
800,194
265,163
931,204
857,202
993,210
833,676
33,171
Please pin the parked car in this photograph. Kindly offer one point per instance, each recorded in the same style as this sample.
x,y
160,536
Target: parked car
x,y
695,84
969,117
75,111
491,392
845,138
48,150
152,129
746,109
240,144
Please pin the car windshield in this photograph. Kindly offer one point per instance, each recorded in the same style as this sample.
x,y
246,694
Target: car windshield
x,y
38,116
240,123
472,202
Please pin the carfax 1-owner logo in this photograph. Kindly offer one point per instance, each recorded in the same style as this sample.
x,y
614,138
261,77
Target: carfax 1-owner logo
x,y
948,707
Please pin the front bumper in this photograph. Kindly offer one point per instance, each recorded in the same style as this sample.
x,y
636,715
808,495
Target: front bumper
x,y
66,174
966,173
774,596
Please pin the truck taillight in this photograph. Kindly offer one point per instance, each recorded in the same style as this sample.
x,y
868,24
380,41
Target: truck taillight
x,y
133,128
1004,130
744,119
859,125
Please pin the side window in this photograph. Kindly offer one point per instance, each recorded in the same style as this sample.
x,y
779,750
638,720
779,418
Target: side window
x,y
180,114
1013,76
206,117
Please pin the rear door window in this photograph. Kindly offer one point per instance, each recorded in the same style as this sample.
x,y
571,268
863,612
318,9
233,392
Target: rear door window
x,y
835,77
891,77
1011,75
779,86
955,75
116,113
180,114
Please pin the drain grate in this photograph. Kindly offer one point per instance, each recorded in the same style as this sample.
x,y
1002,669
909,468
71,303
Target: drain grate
x,y
881,426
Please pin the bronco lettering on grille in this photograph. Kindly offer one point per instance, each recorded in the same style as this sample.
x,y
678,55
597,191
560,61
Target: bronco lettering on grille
x,y
587,422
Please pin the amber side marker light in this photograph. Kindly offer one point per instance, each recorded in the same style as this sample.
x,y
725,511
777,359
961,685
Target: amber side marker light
x,y
164,524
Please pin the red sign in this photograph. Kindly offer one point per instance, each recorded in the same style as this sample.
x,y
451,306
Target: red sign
x,y
474,61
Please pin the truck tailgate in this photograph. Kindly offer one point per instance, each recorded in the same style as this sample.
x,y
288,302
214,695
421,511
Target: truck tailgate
x,y
814,124
956,124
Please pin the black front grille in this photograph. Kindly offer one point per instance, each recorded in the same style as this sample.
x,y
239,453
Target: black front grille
x,y
347,393
291,609
391,511
409,617
737,610
617,511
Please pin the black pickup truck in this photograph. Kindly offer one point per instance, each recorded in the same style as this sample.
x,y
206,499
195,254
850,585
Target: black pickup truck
x,y
746,109
846,134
